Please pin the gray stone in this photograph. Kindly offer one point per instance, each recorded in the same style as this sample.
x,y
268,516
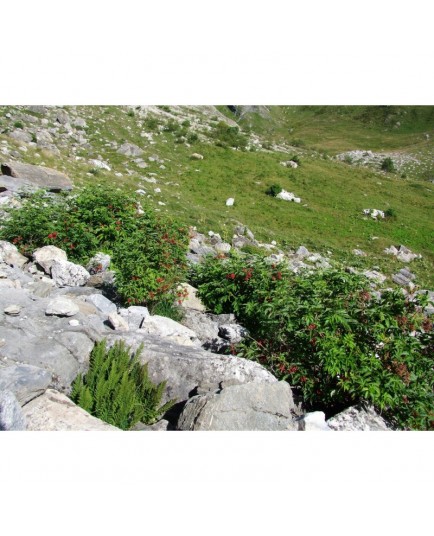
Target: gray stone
x,y
117,322
37,176
103,304
188,298
169,329
160,426
129,149
11,415
40,350
302,252
46,255
25,381
78,344
222,247
9,254
20,135
98,263
134,316
61,307
356,419
68,274
234,333
62,117
54,411
245,407
186,367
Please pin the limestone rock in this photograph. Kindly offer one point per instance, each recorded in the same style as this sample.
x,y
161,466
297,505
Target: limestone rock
x,y
230,201
234,333
129,149
54,411
24,381
61,307
191,301
38,350
46,255
169,329
13,310
358,419
160,426
9,254
245,407
134,316
11,415
186,367
313,422
98,263
68,274
196,156
117,322
103,304
37,176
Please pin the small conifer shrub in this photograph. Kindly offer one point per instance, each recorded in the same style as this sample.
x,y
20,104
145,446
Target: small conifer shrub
x,y
274,190
388,165
117,389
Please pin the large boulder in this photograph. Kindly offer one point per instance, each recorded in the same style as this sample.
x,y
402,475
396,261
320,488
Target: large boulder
x,y
37,176
358,418
20,346
53,411
252,406
25,381
187,367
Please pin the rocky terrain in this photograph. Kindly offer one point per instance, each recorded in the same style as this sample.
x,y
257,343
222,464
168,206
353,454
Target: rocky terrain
x,y
53,311
51,316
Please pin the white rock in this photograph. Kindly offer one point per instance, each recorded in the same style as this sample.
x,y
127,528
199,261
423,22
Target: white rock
x,y
61,307
100,164
68,274
168,328
117,322
74,322
230,202
314,422
196,156
46,255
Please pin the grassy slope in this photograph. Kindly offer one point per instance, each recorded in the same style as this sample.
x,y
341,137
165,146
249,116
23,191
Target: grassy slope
x,y
334,192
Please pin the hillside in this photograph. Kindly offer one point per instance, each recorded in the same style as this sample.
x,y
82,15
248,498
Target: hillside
x,y
149,148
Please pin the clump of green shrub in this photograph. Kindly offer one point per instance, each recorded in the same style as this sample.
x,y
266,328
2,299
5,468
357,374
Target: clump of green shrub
x,y
117,389
390,213
274,190
328,335
388,165
192,137
18,124
151,123
148,251
229,136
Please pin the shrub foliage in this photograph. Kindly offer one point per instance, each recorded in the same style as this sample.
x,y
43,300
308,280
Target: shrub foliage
x,y
117,389
329,336
147,251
